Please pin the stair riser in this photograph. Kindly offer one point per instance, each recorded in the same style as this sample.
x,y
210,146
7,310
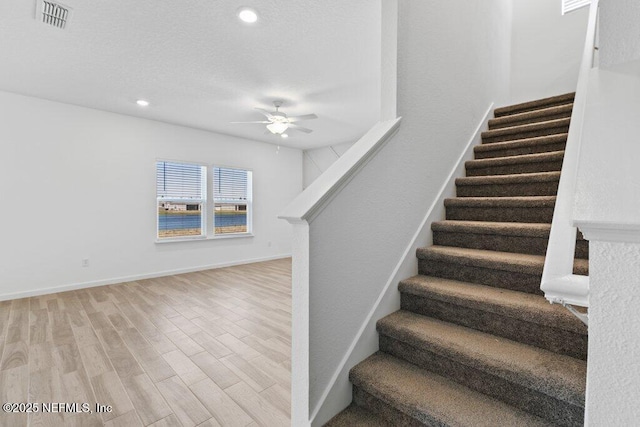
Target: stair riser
x,y
515,281
582,247
518,151
388,412
486,139
356,416
501,243
500,214
537,403
546,188
557,340
515,244
551,166
504,121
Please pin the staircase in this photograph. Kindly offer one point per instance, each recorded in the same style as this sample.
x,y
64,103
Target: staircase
x,y
475,343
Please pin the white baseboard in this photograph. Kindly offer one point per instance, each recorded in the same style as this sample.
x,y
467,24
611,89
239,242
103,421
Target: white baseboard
x,y
337,395
124,279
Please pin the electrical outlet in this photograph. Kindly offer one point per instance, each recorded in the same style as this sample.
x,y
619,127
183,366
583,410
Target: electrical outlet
x,y
85,262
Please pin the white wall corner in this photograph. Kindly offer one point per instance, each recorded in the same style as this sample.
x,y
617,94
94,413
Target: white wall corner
x,y
389,60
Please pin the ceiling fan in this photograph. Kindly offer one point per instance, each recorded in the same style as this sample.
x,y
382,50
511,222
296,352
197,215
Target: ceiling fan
x,y
278,122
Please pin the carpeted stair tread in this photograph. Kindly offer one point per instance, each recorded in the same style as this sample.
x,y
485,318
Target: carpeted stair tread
x,y
540,144
502,202
527,238
522,237
533,116
516,305
520,184
356,416
487,227
534,105
430,399
549,127
518,178
552,156
518,316
505,261
555,375
529,209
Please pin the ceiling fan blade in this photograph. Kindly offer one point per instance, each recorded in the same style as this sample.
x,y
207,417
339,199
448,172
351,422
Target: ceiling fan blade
x,y
252,122
299,128
300,118
266,113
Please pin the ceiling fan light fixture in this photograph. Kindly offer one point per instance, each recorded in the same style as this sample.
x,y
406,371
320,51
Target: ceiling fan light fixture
x,y
247,15
277,128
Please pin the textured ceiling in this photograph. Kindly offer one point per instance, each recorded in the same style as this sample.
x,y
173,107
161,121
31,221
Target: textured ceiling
x,y
200,66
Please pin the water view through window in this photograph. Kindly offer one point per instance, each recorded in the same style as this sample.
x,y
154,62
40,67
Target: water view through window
x,y
179,219
230,218
182,192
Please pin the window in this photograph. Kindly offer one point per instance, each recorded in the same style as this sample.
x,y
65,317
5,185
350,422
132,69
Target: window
x,y
571,5
232,200
184,192
181,196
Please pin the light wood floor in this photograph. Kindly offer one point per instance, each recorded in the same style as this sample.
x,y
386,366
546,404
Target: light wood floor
x,y
202,349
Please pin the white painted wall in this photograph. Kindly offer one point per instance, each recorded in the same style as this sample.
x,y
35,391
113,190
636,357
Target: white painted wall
x,y
453,61
620,35
546,49
607,204
613,371
608,178
80,183
318,160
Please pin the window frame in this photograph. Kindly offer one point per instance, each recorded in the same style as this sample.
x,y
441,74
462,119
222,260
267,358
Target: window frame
x,y
207,203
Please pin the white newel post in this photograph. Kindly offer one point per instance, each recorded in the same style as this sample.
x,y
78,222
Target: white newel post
x,y
300,324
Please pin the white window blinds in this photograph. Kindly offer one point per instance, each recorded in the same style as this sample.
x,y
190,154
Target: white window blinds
x,y
179,180
570,5
230,184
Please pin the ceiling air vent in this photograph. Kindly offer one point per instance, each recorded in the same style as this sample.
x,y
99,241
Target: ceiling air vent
x,y
53,14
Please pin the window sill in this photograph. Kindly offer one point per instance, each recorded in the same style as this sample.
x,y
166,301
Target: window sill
x,y
201,238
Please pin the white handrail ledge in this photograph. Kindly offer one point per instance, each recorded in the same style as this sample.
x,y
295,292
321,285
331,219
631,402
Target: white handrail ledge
x,y
559,284
570,289
326,186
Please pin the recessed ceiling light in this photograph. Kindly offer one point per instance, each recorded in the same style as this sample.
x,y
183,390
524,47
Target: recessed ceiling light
x,y
247,15
284,135
142,103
